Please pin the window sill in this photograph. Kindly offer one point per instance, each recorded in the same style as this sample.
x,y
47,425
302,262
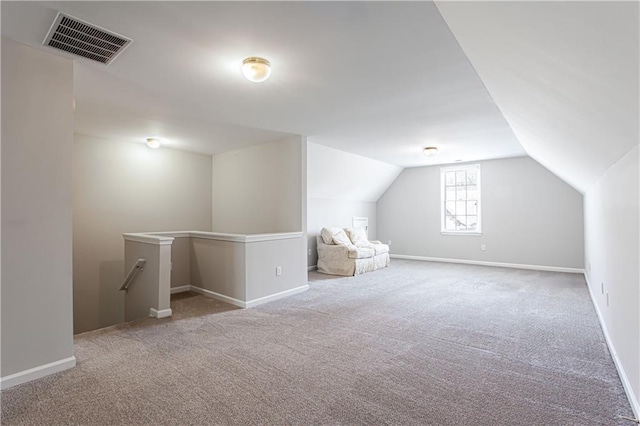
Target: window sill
x,y
468,234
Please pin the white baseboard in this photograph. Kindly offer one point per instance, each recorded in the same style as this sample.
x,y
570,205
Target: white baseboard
x,y
162,313
251,303
276,296
218,296
633,400
37,372
180,289
484,263
312,267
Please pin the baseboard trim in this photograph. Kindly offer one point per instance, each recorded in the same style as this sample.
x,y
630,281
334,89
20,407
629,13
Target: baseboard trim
x,y
484,263
37,372
635,404
251,303
221,297
312,267
181,289
162,313
276,296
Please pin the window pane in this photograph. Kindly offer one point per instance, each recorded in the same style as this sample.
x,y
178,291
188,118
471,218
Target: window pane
x,y
451,208
472,207
461,193
450,178
461,208
461,177
461,226
450,193
472,177
472,192
450,223
472,223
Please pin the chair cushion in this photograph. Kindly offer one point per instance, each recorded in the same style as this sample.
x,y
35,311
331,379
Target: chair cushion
x,y
360,252
326,236
335,236
341,238
358,236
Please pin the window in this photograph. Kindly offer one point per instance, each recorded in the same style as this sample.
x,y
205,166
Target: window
x,y
460,195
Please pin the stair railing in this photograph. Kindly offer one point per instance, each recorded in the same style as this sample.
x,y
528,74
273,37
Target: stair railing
x,y
138,266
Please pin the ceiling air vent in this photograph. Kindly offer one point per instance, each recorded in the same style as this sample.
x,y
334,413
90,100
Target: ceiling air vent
x,y
83,39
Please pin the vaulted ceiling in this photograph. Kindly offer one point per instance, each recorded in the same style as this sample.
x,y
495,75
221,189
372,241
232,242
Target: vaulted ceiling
x,y
379,79
564,74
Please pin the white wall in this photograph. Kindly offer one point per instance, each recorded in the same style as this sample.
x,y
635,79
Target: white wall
x,y
612,254
122,187
342,186
37,135
259,189
529,217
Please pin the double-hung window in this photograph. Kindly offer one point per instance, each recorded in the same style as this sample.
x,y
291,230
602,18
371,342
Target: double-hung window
x,y
460,199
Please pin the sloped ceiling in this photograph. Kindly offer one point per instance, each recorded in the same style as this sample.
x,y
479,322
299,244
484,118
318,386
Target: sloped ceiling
x,y
564,74
339,175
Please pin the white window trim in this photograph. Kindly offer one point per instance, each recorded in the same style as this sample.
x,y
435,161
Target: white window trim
x,y
443,170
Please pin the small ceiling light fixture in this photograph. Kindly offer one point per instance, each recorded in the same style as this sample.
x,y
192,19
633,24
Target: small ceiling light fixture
x,y
430,151
153,143
256,69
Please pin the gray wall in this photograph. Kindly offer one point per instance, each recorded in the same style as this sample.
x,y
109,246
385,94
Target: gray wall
x,y
262,259
219,266
126,187
529,216
612,254
259,189
37,135
150,289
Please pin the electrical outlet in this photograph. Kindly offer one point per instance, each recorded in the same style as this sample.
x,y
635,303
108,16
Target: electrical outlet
x,y
602,287
309,252
483,247
589,266
607,299
389,242
278,271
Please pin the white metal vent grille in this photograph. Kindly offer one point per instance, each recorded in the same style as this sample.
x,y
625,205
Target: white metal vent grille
x,y
83,39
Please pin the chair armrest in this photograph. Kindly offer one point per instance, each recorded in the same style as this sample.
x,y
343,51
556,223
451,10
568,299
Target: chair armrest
x,y
375,242
331,248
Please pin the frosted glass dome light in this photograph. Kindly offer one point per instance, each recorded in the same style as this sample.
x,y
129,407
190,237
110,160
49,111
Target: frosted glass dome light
x,y
153,143
430,151
256,69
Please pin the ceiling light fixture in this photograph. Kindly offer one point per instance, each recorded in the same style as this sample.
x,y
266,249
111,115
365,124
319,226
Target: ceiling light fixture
x,y
153,143
256,69
430,151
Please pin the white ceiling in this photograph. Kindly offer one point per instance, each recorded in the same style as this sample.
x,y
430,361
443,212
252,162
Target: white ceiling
x,y
564,74
378,79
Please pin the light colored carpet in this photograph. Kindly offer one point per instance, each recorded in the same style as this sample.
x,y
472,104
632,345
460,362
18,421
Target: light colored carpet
x,y
418,343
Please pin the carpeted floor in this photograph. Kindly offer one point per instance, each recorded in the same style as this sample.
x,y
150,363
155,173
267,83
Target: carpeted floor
x,y
418,343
